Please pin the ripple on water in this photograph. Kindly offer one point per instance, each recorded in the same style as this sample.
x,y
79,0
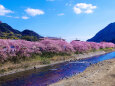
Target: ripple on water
x,y
51,74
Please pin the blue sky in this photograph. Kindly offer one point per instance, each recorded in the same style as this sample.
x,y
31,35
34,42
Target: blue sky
x,y
69,19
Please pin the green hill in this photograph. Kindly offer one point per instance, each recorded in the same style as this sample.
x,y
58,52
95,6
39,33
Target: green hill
x,y
7,32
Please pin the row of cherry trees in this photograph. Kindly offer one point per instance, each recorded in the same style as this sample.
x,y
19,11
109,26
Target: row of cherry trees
x,y
20,48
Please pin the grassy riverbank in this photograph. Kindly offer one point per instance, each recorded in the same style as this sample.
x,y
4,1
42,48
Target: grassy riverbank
x,y
10,67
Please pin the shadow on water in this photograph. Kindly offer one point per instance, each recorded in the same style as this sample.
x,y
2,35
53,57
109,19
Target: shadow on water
x,y
51,74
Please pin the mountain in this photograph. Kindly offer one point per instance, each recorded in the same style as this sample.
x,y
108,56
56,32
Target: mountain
x,y
7,32
30,35
6,28
107,34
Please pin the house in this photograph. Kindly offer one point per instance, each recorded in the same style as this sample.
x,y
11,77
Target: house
x,y
76,40
52,38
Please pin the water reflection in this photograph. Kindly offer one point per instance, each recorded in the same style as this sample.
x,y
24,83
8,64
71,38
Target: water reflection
x,y
52,74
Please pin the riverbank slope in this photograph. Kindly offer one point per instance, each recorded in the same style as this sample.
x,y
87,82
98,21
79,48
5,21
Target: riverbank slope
x,y
100,74
10,68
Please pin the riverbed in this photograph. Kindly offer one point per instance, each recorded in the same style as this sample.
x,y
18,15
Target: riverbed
x,y
24,66
100,74
54,73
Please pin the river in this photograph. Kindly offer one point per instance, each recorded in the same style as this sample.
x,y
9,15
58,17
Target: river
x,y
51,74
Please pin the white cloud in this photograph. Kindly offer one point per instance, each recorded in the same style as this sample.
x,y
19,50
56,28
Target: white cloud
x,y
16,17
77,10
68,4
25,17
50,0
89,11
84,8
4,11
34,12
60,14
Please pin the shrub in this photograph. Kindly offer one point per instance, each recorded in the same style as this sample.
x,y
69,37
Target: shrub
x,y
18,49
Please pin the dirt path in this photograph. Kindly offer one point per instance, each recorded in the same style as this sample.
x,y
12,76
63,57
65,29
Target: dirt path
x,y
101,74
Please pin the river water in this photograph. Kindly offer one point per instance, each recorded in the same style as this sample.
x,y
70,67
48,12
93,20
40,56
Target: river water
x,y
51,74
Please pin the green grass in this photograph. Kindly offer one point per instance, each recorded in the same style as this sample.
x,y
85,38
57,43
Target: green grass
x,y
106,49
39,60
46,56
43,60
